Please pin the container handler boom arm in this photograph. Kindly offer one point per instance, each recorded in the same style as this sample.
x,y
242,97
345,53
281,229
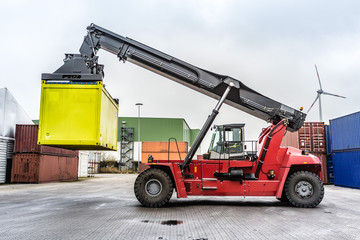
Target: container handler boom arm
x,y
209,83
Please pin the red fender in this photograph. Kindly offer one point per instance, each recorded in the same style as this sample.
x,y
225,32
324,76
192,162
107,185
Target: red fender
x,y
176,174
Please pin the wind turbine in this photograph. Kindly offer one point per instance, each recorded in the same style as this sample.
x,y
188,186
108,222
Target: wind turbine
x,y
319,92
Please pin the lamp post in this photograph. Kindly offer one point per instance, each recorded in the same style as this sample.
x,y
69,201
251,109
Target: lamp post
x,y
139,142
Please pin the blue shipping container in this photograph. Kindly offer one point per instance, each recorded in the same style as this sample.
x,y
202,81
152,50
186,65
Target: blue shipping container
x,y
330,169
327,139
329,159
345,132
347,169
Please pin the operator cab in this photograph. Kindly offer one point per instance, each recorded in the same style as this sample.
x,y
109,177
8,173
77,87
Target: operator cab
x,y
228,142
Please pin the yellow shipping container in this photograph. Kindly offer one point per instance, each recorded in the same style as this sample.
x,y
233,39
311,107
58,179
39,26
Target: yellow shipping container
x,y
79,116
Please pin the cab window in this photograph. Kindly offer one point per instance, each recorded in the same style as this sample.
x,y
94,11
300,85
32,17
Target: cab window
x,y
233,140
217,141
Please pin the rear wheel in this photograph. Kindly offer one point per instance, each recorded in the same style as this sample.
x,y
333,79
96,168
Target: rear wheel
x,y
304,189
153,188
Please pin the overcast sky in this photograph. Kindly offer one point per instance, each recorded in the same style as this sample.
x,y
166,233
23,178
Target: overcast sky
x,y
271,46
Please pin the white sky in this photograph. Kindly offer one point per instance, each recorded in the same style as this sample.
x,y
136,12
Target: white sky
x,y
271,46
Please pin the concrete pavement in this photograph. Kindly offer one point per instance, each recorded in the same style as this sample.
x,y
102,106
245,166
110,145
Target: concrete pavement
x,y
105,207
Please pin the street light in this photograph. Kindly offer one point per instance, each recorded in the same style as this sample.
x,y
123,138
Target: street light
x,y
139,142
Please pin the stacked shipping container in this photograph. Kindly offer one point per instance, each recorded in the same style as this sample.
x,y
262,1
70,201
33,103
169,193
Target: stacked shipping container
x,y
34,164
310,137
330,162
345,150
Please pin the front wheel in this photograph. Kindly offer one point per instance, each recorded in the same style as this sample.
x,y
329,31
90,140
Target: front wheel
x,y
153,188
304,189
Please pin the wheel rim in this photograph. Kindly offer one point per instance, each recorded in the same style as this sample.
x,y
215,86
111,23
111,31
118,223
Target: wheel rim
x,y
153,187
304,189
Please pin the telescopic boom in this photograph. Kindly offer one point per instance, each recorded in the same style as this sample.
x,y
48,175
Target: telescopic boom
x,y
209,83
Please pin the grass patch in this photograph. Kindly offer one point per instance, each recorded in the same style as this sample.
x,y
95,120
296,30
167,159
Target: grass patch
x,y
109,170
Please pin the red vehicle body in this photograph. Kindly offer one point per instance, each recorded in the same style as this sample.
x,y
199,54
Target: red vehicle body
x,y
281,161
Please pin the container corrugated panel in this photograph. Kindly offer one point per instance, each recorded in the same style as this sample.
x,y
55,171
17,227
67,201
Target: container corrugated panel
x,y
163,156
324,172
347,169
9,156
26,142
163,147
312,137
328,139
345,132
57,168
78,116
291,139
329,159
3,160
330,168
25,168
6,152
38,168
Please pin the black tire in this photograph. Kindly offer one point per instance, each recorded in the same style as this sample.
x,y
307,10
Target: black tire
x,y
283,198
153,188
304,189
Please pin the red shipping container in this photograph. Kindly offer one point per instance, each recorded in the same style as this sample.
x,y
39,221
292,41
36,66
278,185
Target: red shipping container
x,y
312,137
38,168
26,137
291,139
324,173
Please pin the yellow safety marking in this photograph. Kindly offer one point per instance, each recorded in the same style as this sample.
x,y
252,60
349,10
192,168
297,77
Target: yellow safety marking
x,y
195,169
305,162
